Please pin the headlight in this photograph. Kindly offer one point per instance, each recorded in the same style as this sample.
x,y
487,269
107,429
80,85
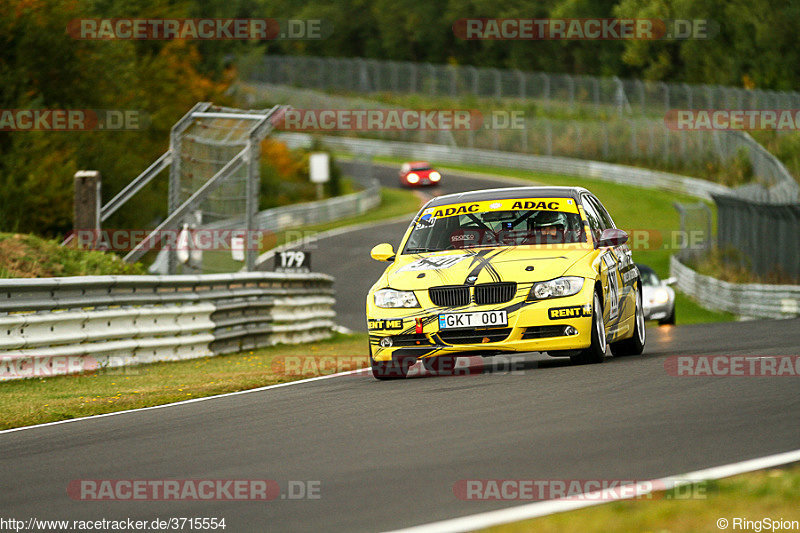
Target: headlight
x,y
556,288
412,178
660,296
393,298
434,176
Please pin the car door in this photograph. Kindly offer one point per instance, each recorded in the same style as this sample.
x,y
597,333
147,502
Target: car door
x,y
609,266
620,261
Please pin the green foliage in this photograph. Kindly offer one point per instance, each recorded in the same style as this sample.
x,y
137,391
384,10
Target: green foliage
x,y
29,256
42,66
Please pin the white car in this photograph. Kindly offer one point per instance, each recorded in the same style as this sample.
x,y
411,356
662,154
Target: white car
x,y
658,297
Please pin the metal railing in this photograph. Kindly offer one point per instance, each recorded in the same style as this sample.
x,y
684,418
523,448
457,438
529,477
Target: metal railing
x,y
624,140
624,96
639,177
765,234
310,213
111,321
750,299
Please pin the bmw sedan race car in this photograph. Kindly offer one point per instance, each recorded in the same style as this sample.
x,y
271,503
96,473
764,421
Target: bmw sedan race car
x,y
523,269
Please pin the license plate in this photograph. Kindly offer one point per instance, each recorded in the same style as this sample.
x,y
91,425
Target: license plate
x,y
473,320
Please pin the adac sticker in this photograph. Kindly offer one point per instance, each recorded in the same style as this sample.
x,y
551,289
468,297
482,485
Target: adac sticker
x,y
541,204
572,311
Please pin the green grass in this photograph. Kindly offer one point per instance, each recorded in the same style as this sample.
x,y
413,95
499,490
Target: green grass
x,y
40,400
754,496
29,256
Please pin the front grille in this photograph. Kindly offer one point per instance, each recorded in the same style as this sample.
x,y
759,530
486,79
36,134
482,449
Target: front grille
x,y
473,336
413,339
449,296
494,293
541,332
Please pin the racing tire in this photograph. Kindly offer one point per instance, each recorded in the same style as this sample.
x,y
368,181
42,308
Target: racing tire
x,y
596,352
635,344
668,321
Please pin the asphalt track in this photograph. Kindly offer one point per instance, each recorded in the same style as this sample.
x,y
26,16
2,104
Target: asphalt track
x,y
387,454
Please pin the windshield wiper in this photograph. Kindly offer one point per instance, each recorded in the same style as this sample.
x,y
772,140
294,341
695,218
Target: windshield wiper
x,y
419,250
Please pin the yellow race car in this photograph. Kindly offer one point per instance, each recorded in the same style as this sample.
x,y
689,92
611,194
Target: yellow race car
x,y
521,269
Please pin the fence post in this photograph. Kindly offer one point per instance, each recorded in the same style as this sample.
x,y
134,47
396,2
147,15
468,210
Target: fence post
x,y
87,201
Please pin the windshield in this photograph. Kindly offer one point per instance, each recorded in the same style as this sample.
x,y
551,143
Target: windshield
x,y
649,277
449,228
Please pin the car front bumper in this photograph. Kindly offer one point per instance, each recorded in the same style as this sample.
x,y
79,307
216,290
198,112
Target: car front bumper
x,y
533,326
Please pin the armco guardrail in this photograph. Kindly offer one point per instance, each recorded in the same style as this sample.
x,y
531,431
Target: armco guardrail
x,y
639,177
65,325
750,299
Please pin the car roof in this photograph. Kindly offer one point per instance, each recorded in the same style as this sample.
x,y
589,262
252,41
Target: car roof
x,y
506,193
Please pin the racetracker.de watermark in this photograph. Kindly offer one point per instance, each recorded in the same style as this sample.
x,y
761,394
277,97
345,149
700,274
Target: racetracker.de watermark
x,y
213,29
577,489
732,119
733,365
183,239
398,120
73,120
584,29
192,490
44,366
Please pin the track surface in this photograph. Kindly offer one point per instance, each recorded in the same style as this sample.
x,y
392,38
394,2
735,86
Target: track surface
x,y
387,454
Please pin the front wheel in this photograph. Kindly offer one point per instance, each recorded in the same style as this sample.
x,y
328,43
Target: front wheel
x,y
634,345
596,352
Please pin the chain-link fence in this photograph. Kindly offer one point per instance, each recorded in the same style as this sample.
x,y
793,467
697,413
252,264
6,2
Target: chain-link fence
x,y
635,141
696,237
553,90
767,235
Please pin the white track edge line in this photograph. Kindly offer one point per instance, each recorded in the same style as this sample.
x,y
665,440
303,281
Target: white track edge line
x,y
543,508
185,402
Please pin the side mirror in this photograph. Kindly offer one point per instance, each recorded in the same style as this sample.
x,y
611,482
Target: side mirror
x,y
670,281
612,237
382,252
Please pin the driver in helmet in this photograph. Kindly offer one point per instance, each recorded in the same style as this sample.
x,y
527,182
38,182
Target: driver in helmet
x,y
549,226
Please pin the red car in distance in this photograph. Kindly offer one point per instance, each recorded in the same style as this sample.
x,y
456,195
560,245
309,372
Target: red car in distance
x,y
418,174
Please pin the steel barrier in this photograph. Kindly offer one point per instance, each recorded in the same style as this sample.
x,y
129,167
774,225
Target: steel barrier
x,y
743,299
110,321
639,177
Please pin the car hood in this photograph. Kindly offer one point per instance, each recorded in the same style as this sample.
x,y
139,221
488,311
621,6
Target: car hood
x,y
481,265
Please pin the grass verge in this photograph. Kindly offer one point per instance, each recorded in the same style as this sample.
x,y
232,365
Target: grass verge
x,y
39,400
29,256
754,496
